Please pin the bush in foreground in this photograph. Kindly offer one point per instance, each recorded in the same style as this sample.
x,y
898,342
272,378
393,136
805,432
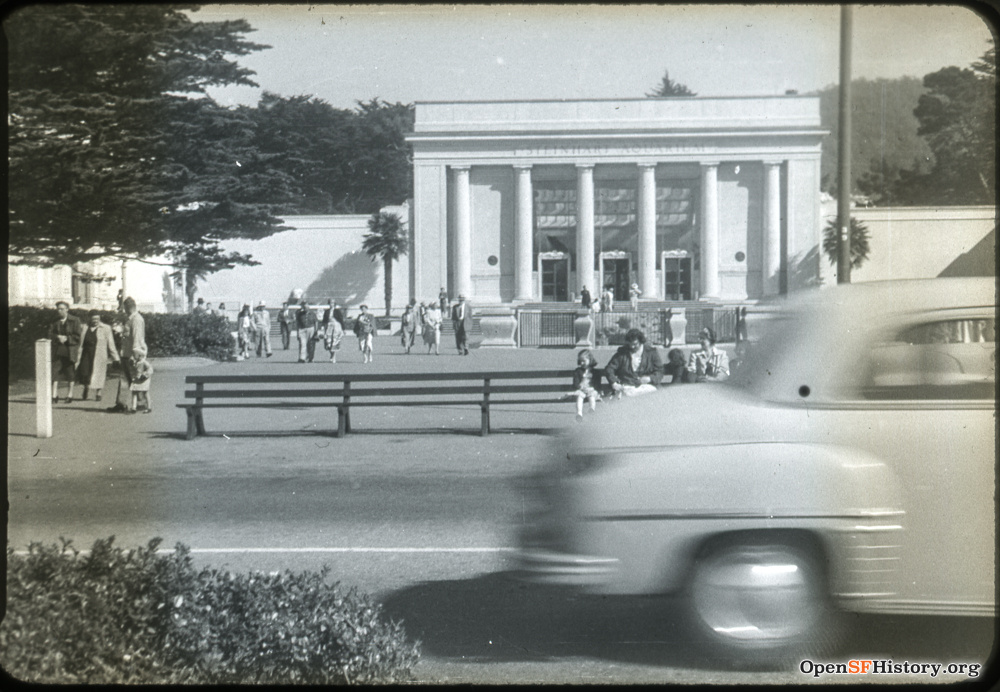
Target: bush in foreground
x,y
136,616
166,335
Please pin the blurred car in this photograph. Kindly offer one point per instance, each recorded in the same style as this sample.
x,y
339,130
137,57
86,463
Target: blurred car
x,y
848,464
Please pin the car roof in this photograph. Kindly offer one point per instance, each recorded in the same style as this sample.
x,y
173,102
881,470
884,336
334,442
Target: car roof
x,y
830,328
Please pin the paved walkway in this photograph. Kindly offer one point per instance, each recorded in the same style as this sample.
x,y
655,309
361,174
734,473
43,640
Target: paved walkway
x,y
84,430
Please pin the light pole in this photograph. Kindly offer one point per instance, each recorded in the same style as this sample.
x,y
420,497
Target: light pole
x,y
844,152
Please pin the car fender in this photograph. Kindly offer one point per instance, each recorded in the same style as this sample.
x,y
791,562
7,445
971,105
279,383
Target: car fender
x,y
652,508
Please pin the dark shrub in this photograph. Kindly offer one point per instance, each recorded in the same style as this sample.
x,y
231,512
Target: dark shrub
x,y
136,616
166,335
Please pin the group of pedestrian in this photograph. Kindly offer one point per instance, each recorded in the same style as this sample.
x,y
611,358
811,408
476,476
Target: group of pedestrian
x,y
81,355
203,308
311,329
636,368
426,318
253,331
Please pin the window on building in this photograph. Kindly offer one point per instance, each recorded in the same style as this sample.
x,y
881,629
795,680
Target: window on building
x,y
675,217
82,287
555,217
616,226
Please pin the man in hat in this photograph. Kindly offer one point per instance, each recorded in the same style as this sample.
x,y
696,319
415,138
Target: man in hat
x,y
710,364
262,329
65,335
133,342
461,318
305,330
199,308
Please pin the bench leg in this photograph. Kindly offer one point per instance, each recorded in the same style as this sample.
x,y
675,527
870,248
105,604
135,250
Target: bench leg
x,y
192,426
199,421
485,428
341,421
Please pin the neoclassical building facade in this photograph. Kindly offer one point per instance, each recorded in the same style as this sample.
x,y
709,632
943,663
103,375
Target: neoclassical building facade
x,y
690,198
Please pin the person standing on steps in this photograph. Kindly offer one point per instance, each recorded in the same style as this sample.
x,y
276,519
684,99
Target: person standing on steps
x,y
461,318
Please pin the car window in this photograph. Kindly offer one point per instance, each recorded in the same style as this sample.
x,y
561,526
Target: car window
x,y
936,359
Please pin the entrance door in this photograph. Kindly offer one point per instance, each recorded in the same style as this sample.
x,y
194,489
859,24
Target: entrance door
x,y
616,274
555,280
677,278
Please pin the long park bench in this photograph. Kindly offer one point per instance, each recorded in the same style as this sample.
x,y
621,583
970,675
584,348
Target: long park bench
x,y
344,392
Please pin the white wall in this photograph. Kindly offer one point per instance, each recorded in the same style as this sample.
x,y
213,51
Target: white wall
x,y
913,242
321,255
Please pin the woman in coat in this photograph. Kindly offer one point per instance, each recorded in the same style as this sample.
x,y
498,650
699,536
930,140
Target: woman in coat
x,y
96,347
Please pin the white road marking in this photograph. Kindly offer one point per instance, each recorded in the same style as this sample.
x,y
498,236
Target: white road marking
x,y
210,551
346,550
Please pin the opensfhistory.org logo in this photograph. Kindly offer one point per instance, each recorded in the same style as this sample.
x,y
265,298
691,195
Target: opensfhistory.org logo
x,y
886,666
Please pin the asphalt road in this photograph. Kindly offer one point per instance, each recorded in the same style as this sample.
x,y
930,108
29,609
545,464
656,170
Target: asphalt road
x,y
419,511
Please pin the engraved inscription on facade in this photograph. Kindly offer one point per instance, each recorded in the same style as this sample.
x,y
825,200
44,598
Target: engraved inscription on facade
x,y
610,150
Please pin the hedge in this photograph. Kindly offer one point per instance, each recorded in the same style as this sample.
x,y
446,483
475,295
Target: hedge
x,y
141,617
166,335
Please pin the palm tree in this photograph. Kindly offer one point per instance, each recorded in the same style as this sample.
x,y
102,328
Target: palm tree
x,y
859,242
386,239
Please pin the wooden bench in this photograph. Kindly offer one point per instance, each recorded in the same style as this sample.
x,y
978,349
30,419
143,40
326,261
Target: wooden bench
x,y
347,391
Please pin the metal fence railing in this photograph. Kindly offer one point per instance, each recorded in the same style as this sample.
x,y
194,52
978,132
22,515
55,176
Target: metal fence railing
x,y
556,327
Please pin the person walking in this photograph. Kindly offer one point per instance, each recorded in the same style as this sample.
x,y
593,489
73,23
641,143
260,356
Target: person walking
x,y
142,373
333,328
305,332
262,329
364,329
285,325
432,329
244,331
444,302
96,347
133,342
633,297
585,298
608,299
461,318
409,328
65,335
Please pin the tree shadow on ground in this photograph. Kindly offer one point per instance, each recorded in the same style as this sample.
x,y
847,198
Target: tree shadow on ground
x,y
494,618
347,281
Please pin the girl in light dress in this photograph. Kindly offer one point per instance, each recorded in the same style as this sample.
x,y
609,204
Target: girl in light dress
x,y
583,382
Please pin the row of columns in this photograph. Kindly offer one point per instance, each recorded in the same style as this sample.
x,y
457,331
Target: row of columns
x,y
524,229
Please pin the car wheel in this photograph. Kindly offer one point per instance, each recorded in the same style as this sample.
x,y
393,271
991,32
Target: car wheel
x,y
761,601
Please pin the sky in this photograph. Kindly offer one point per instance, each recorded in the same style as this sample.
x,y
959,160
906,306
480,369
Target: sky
x,y
407,53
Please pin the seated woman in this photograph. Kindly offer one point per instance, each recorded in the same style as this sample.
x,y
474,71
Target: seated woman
x,y
710,364
635,368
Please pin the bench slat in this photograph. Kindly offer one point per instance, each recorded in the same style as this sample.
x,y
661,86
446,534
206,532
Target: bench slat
x,y
272,404
260,393
380,377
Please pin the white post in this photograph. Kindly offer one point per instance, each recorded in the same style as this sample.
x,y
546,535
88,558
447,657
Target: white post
x,y
43,388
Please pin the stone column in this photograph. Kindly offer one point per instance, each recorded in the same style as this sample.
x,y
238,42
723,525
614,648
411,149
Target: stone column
x,y
710,286
647,230
463,233
523,233
585,229
772,227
